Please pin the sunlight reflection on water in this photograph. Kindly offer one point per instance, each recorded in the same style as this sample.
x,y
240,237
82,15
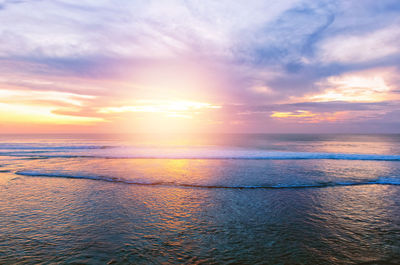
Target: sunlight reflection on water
x,y
95,210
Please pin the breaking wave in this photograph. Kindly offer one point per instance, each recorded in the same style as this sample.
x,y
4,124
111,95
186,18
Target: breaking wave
x,y
40,151
317,184
201,154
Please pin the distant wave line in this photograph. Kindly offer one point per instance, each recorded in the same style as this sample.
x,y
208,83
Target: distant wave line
x,y
50,148
256,155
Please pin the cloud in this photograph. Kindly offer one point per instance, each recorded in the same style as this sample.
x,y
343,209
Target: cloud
x,y
350,48
251,57
371,85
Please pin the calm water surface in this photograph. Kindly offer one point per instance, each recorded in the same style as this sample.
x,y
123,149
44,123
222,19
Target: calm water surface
x,y
200,199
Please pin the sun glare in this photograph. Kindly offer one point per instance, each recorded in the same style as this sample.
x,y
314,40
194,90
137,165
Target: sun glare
x,y
171,108
162,116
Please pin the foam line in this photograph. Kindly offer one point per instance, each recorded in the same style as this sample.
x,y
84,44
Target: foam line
x,y
379,181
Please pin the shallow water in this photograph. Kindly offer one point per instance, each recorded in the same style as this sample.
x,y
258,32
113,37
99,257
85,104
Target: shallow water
x,y
250,199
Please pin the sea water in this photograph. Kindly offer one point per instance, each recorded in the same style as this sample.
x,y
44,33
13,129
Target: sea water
x,y
200,199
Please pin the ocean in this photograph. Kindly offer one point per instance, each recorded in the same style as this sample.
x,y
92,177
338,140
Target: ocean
x,y
200,199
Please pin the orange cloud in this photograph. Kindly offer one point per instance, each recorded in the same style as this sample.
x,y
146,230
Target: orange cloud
x,y
363,86
305,116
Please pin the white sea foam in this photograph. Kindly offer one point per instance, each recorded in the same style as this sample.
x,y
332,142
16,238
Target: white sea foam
x,y
178,153
223,154
317,184
209,153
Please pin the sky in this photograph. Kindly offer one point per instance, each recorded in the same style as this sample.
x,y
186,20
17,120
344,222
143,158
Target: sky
x,y
243,66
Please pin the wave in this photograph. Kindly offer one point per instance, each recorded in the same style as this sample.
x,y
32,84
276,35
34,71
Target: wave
x,y
209,152
252,155
51,148
378,181
213,155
